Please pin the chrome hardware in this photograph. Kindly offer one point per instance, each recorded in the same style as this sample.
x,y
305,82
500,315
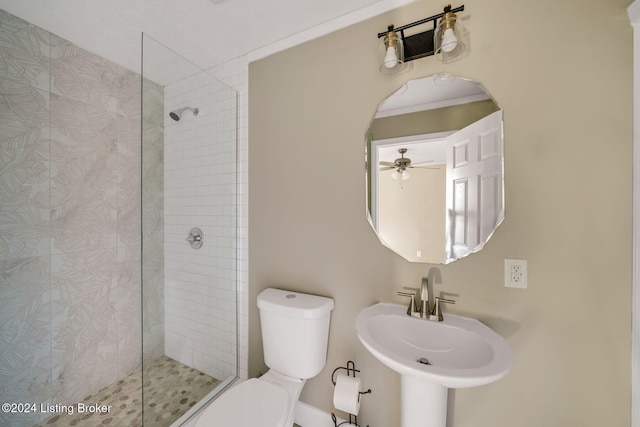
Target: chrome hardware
x,y
424,361
412,310
436,313
195,238
424,296
417,308
419,304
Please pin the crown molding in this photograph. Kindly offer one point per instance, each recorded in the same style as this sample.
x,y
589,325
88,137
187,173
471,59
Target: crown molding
x,y
327,28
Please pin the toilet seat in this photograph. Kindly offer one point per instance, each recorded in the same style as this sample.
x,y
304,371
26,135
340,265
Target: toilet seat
x,y
251,403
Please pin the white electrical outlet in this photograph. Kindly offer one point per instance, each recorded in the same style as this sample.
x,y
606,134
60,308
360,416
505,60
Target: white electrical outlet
x,y
515,273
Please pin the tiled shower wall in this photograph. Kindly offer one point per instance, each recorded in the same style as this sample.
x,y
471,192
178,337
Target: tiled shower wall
x,y
152,220
69,219
200,191
235,73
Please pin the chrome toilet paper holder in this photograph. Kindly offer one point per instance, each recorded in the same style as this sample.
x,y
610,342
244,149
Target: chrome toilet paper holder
x,y
351,372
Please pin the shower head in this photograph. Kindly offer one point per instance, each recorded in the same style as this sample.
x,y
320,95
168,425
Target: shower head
x,y
177,114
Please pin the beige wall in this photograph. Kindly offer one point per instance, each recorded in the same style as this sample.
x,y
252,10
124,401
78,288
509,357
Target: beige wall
x,y
568,190
413,214
432,121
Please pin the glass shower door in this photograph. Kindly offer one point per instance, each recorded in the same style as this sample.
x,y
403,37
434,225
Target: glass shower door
x,y
189,252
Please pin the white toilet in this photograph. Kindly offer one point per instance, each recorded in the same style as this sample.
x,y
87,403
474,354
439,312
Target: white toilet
x,y
295,333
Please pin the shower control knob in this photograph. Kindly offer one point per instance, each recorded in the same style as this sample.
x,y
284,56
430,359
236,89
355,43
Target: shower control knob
x,y
195,238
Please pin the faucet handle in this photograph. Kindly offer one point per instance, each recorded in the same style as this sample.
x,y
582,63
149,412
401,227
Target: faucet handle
x,y
418,300
436,313
413,307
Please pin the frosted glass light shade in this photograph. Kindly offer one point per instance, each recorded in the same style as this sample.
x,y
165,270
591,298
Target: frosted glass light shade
x,y
401,175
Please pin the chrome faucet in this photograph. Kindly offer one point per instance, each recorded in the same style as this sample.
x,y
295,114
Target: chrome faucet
x,y
419,303
413,309
424,298
436,313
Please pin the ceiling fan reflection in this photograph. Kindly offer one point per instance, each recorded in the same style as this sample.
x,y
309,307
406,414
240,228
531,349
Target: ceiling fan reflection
x,y
402,163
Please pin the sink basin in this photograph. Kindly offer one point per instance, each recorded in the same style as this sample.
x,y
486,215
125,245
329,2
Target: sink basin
x,y
432,357
457,352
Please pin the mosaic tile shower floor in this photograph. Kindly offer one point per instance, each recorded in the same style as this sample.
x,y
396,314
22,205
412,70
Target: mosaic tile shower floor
x,y
171,389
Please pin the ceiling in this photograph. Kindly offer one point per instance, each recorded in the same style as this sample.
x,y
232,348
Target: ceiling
x,y
205,32
428,93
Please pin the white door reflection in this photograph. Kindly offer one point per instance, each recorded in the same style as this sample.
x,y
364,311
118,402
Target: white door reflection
x,y
474,185
438,197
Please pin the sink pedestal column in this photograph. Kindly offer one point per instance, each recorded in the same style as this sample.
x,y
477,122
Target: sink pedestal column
x,y
423,404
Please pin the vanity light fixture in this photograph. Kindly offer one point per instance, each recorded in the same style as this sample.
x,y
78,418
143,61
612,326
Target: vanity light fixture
x,y
451,39
448,40
393,52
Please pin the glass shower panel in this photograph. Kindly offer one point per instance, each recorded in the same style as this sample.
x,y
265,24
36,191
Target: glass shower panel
x,y
71,166
189,248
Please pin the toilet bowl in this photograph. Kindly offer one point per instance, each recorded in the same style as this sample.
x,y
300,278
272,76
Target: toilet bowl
x,y
295,333
267,401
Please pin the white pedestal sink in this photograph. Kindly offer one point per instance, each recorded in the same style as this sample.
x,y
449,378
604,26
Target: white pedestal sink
x,y
432,357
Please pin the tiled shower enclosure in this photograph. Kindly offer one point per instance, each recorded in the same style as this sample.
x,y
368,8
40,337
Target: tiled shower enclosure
x,y
80,200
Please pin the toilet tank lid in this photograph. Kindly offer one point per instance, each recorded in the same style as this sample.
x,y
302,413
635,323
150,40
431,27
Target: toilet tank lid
x,y
294,304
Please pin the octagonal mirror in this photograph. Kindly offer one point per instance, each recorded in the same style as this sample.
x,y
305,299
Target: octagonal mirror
x,y
435,169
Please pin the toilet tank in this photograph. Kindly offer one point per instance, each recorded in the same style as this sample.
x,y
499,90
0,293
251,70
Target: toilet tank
x,y
295,331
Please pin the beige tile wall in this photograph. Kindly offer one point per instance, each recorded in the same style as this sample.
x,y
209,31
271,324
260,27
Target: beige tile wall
x,y
69,219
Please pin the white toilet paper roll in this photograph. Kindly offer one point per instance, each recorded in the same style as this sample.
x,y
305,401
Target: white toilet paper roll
x,y
346,395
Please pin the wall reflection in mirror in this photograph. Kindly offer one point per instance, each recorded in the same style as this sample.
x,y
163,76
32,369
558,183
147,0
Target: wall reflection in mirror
x,y
435,174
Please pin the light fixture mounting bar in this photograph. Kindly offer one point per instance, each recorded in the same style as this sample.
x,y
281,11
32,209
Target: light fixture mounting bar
x,y
422,21
420,45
